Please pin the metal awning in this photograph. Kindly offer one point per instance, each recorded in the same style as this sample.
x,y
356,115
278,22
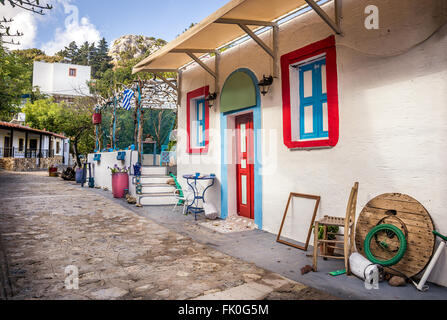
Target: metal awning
x,y
222,27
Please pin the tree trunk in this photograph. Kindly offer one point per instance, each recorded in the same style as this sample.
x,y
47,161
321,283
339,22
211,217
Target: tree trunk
x,y
76,152
140,136
135,118
112,123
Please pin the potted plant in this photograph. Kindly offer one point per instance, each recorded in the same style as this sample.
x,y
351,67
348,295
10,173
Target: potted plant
x,y
330,236
120,181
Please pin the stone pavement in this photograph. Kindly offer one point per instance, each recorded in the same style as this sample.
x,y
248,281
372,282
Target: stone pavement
x,y
47,224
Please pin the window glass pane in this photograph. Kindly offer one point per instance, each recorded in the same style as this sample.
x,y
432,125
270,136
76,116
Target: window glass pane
x,y
243,164
200,111
325,118
323,79
243,138
244,189
308,87
308,119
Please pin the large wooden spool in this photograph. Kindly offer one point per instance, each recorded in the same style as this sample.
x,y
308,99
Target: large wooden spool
x,y
421,240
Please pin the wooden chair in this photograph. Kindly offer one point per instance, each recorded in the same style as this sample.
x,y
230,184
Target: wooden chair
x,y
348,223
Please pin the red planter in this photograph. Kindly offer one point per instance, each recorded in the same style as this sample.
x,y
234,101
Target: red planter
x,y
120,182
97,118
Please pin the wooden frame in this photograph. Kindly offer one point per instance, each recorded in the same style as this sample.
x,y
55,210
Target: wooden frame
x,y
317,204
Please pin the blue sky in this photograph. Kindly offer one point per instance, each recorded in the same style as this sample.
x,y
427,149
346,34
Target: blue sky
x,y
93,19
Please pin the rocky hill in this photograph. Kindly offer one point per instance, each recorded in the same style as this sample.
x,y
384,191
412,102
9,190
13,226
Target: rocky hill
x,y
132,46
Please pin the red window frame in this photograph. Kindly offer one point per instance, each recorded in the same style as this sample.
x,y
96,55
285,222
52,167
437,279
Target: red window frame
x,y
74,72
201,92
326,46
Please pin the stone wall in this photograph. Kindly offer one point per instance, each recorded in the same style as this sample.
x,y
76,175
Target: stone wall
x,y
14,164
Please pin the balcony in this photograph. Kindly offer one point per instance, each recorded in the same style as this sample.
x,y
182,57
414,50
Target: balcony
x,y
25,154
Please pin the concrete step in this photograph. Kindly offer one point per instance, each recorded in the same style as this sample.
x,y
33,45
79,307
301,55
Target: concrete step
x,y
156,199
155,179
150,170
157,188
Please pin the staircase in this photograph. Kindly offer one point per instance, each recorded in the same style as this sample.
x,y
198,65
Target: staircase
x,y
155,191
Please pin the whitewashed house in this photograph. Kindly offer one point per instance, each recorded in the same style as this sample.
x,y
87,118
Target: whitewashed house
x,y
358,94
63,81
23,148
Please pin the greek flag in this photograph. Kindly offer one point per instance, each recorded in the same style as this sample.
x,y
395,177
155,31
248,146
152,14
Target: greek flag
x,y
127,97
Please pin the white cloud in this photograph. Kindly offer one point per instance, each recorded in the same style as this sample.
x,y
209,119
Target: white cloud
x,y
23,21
75,29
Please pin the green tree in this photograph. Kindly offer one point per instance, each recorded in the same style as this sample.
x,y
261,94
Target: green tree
x,y
101,61
15,80
43,114
74,120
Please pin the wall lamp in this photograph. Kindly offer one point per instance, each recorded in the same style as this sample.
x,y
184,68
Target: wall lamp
x,y
211,98
265,84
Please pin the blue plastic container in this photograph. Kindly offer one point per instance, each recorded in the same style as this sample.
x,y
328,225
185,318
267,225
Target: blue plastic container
x,y
79,173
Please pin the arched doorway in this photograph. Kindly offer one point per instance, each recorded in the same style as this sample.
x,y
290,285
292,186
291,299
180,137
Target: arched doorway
x,y
240,110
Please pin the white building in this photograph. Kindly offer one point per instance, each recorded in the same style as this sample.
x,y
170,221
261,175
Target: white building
x,y
39,148
61,80
358,98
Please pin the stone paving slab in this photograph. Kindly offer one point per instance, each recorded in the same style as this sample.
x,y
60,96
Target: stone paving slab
x,y
47,224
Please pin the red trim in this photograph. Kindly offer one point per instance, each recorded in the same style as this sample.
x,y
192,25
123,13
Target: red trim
x,y
324,46
204,91
248,209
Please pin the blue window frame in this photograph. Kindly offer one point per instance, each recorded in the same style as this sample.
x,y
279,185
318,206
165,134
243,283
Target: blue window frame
x,y
312,101
200,112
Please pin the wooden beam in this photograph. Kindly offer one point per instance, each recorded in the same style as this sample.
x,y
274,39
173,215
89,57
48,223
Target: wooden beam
x,y
192,51
179,87
203,65
337,13
275,51
324,16
257,39
169,83
246,22
217,71
157,70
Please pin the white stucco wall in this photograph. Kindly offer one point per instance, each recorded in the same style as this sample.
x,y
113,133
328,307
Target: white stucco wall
x,y
54,79
101,171
392,107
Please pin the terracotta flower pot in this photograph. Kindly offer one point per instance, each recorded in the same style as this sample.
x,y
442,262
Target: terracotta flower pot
x,y
120,182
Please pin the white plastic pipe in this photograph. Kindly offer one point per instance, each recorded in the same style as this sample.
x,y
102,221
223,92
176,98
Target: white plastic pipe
x,y
421,286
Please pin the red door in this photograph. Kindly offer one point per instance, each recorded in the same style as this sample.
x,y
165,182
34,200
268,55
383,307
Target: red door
x,y
245,165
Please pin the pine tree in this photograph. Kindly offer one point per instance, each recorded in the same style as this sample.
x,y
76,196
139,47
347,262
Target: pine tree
x,y
103,60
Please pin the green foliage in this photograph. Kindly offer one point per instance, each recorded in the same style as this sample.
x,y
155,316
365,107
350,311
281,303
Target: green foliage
x,y
332,229
15,80
44,114
74,120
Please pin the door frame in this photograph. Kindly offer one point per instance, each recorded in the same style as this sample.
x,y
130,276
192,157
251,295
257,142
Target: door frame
x,y
225,125
249,165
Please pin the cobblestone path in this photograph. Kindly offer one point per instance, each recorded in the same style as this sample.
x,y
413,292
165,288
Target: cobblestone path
x,y
47,224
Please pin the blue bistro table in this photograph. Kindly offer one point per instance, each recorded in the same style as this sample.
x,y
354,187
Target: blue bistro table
x,y
192,179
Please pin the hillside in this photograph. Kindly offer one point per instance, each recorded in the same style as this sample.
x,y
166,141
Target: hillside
x,y
131,46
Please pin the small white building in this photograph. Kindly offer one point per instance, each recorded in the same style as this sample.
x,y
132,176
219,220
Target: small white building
x,y
23,148
61,80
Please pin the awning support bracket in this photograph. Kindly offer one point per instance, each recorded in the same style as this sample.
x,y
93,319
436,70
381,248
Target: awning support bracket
x,y
334,25
215,73
243,24
168,82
